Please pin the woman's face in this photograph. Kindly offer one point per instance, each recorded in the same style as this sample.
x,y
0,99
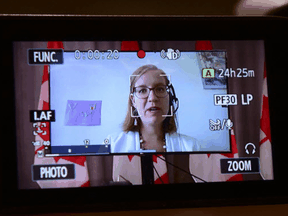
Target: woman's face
x,y
151,109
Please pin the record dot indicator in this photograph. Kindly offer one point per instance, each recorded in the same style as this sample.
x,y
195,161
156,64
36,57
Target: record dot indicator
x,y
141,54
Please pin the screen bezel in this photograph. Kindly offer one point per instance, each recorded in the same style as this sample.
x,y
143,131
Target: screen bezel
x,y
78,28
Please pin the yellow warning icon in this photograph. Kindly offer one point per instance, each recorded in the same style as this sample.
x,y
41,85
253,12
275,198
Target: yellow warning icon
x,y
208,72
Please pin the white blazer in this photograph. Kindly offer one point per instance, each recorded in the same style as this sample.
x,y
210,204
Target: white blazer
x,y
130,143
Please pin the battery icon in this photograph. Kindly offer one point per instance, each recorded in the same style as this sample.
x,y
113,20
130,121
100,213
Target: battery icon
x,y
208,72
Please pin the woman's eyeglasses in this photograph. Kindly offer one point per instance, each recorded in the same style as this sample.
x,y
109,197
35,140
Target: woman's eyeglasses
x,y
143,92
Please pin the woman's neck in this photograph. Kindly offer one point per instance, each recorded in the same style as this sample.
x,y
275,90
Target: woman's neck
x,y
152,132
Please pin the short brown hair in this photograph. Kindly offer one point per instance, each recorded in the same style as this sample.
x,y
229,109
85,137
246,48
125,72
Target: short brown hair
x,y
169,124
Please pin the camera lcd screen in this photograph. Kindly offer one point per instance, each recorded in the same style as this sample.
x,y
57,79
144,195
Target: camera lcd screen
x,y
87,113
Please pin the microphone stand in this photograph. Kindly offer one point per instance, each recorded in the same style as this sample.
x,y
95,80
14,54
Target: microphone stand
x,y
147,169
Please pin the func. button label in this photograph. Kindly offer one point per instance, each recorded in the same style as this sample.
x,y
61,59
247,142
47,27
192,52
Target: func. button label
x,y
45,56
53,172
239,165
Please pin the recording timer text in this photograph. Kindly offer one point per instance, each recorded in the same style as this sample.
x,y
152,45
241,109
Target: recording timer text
x,y
96,54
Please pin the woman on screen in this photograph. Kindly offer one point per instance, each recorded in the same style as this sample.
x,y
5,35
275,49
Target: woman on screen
x,y
150,123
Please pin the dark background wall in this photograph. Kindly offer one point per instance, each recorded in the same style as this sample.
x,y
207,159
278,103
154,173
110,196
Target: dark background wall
x,y
113,7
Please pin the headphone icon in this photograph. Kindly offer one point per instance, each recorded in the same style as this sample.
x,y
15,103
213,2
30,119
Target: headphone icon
x,y
246,148
173,100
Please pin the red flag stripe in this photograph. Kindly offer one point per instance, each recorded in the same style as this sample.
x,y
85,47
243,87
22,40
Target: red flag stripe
x,y
265,119
86,184
203,45
75,159
45,76
45,105
264,140
39,149
130,157
164,179
265,134
129,46
237,177
55,45
155,157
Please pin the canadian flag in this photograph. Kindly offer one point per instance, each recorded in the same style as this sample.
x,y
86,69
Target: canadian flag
x,y
128,168
43,135
266,166
207,166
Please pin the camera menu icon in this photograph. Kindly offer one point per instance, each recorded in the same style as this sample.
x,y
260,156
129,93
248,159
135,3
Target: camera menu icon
x,y
36,143
171,54
208,73
40,154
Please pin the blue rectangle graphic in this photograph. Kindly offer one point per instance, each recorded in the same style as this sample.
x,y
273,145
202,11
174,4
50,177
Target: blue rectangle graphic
x,y
83,113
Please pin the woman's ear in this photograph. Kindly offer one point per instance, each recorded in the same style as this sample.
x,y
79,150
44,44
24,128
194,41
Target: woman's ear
x,y
132,100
